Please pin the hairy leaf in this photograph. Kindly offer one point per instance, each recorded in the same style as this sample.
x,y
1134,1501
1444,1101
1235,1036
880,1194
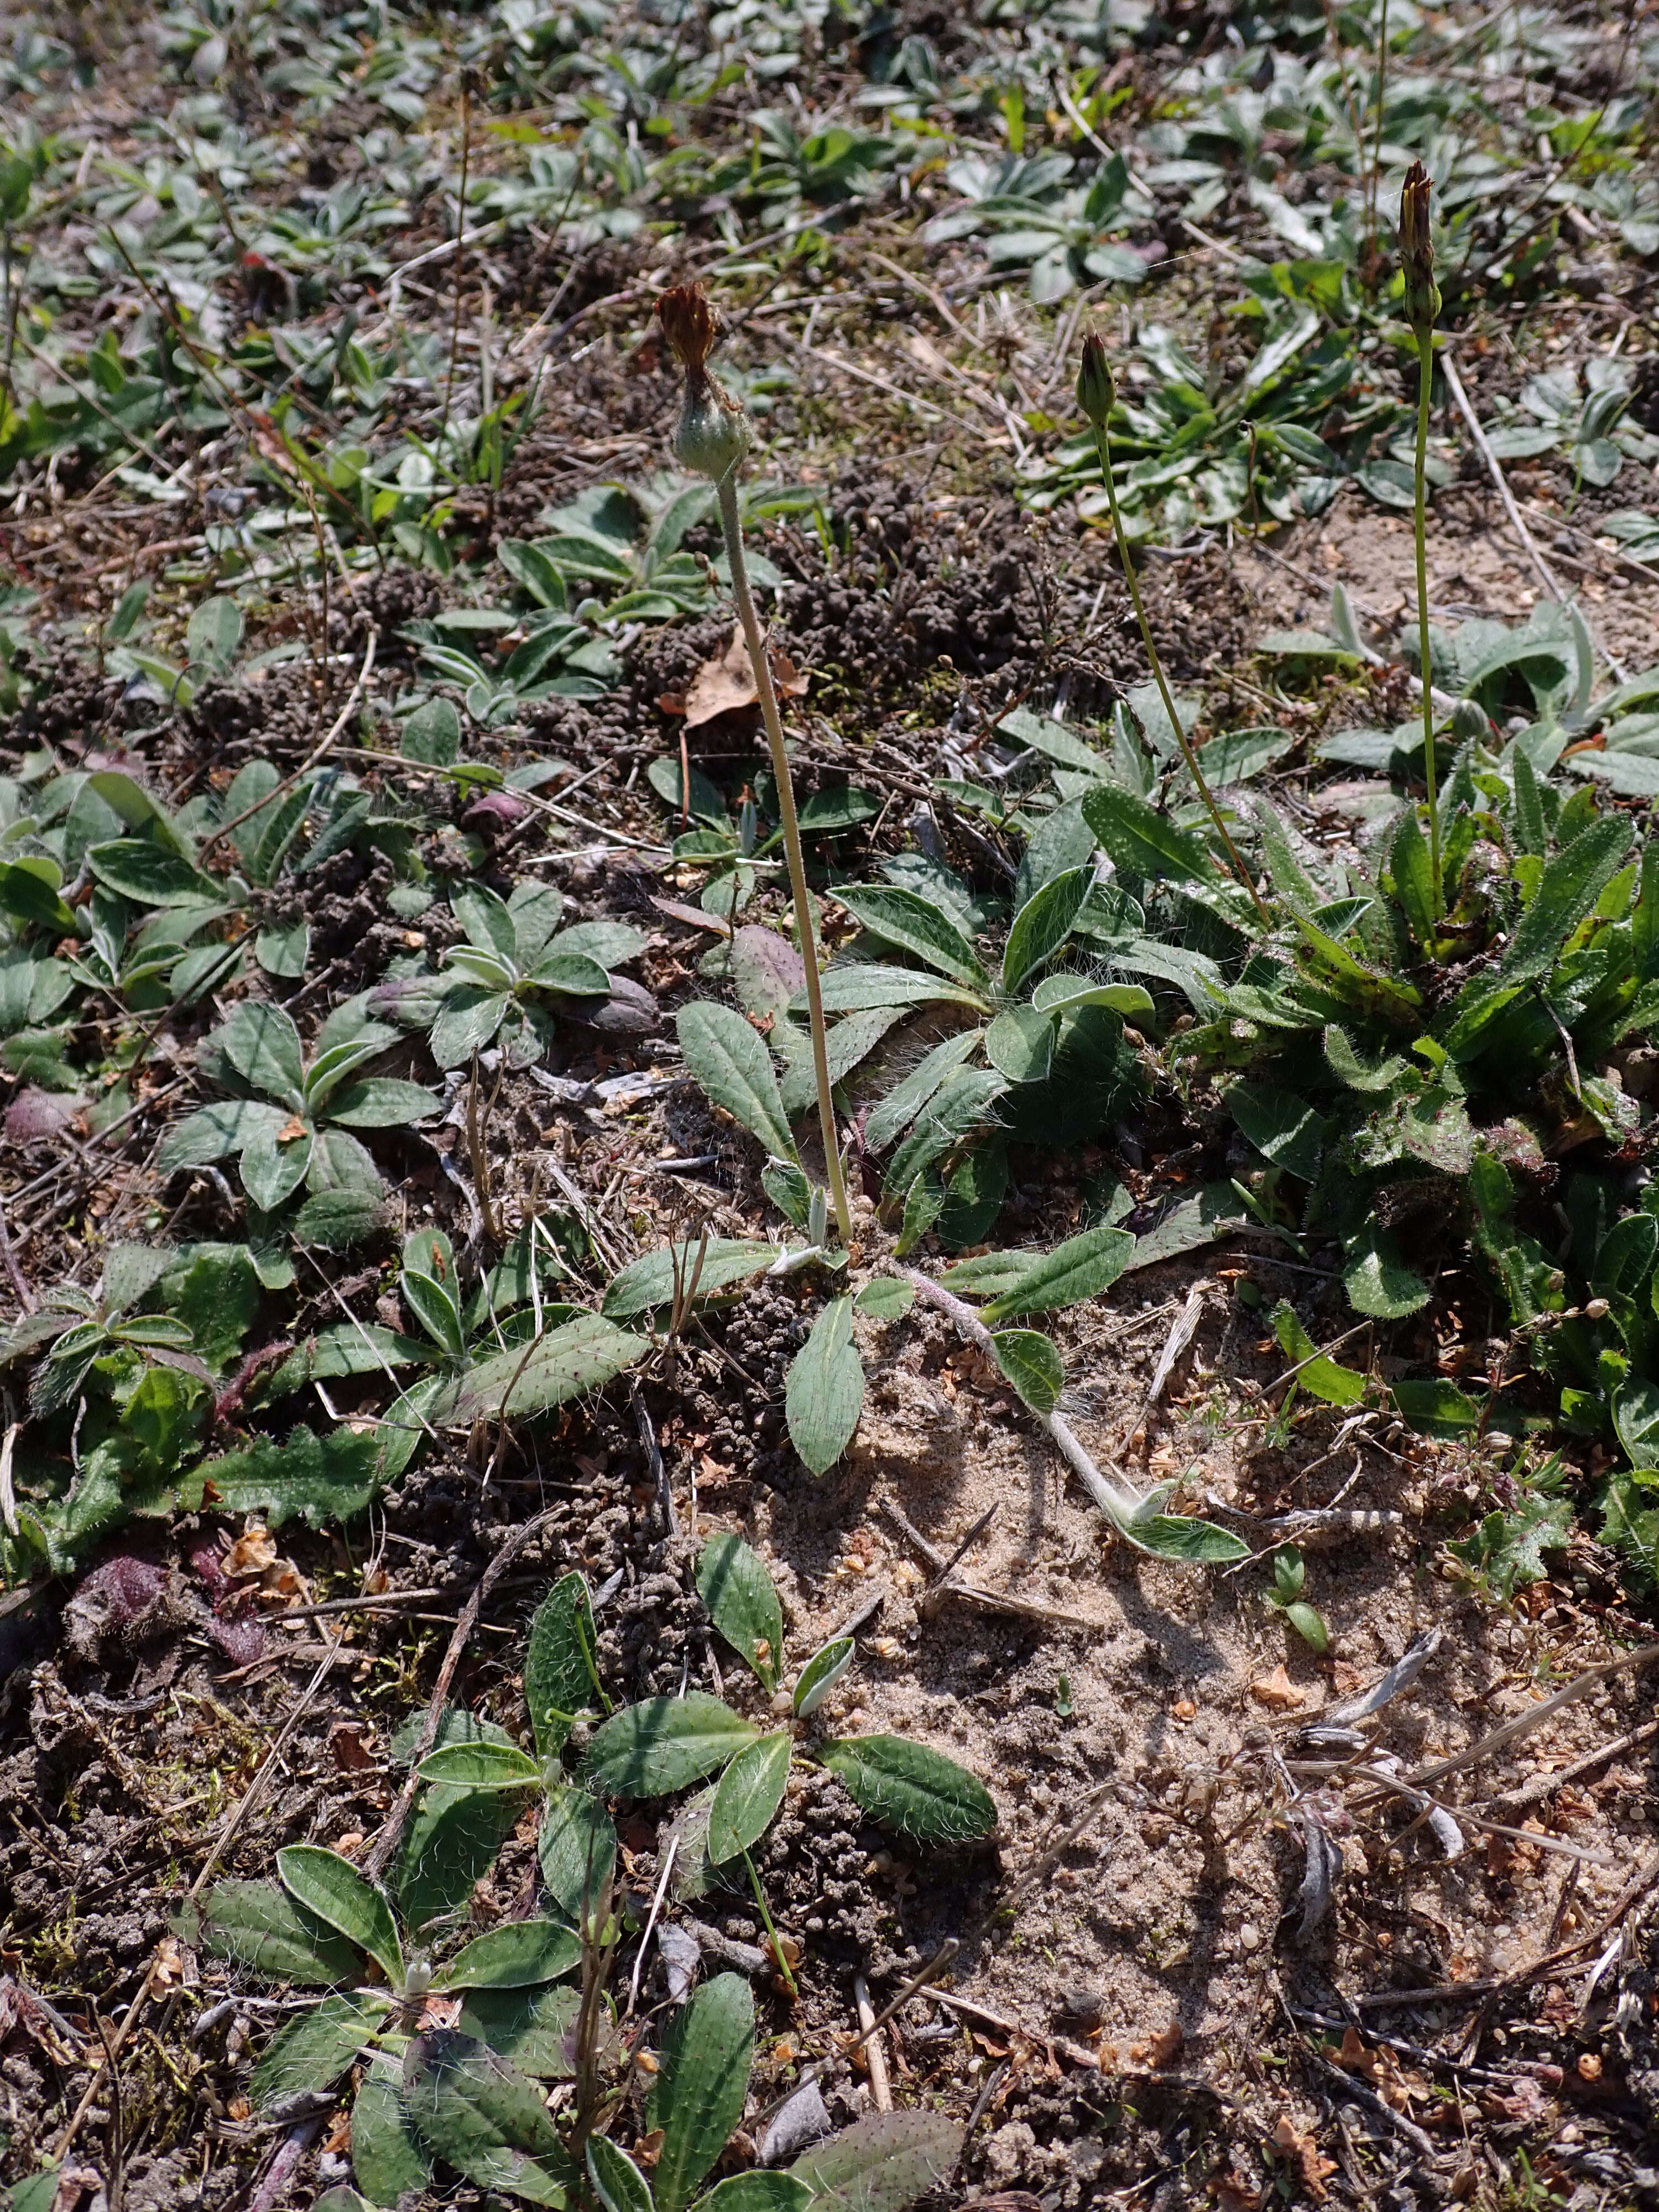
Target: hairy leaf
x,y
908,1787
697,2097
733,1584
748,1793
823,1393
661,1744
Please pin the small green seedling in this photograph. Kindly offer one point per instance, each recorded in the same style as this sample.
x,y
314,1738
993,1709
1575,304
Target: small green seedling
x,y
1290,1573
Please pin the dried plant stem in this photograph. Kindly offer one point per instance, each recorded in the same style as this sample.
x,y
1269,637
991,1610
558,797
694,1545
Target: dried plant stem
x,y
809,952
1425,379
1104,444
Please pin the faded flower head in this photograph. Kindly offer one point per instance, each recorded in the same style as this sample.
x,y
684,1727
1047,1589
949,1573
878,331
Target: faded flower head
x,y
1095,391
1417,250
713,435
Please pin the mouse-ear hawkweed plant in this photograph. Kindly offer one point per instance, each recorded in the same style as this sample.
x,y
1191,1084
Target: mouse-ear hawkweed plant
x,y
1422,306
1097,394
711,439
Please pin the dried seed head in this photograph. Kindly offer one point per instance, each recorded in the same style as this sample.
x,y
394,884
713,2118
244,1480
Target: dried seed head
x,y
712,434
1095,392
1416,251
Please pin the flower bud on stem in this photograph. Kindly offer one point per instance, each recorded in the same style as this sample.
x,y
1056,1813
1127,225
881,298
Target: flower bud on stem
x,y
712,439
1095,394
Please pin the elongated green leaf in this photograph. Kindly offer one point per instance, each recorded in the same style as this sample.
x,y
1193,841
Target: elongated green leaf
x,y
387,2157
914,925
149,876
1063,994
1032,1363
331,1887
28,892
824,1395
821,1674
733,1584
960,1105
908,1787
733,1069
577,1850
316,2047
1043,924
481,1766
1438,1408
580,1356
884,1297
213,634
262,1926
1281,1125
618,2182
262,1044
517,1956
1567,892
1193,1543
1079,1269
1142,841
850,986
881,2163
532,2029
662,1744
559,1676
320,1479
483,2119
748,1793
697,2098
432,735
899,1108
1624,1257
1323,1378
648,1285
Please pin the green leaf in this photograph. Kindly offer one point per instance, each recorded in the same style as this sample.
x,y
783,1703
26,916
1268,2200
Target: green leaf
x,y
821,1674
894,1115
647,1285
881,2163
578,1356
1079,1269
1377,1280
960,1105
432,735
1624,1257
1020,1044
387,2158
1032,1363
618,2182
1193,1543
331,1887
1323,1377
149,876
532,2029
884,1297
824,1395
213,634
756,2192
284,953
261,1043
1438,1408
1350,1067
1307,1626
908,1787
1064,995
28,892
1567,892
659,1746
517,1956
1043,924
914,925
481,1766
483,2119
451,1840
851,986
262,1926
750,1792
470,1017
1142,843
559,1672
382,1102
697,2097
1281,1126
273,1169
321,1480
743,1604
315,2048
733,1069
577,1850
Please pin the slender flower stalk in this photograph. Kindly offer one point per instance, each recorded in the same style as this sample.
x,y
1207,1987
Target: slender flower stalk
x,y
712,439
1096,394
1422,306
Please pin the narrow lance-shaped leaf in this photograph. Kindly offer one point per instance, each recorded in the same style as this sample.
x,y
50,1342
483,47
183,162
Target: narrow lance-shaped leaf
x,y
661,1744
748,1793
560,1677
824,1395
733,1067
1079,1269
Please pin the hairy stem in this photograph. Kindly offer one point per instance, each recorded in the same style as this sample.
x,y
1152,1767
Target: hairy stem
x,y
1426,377
732,530
1187,755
